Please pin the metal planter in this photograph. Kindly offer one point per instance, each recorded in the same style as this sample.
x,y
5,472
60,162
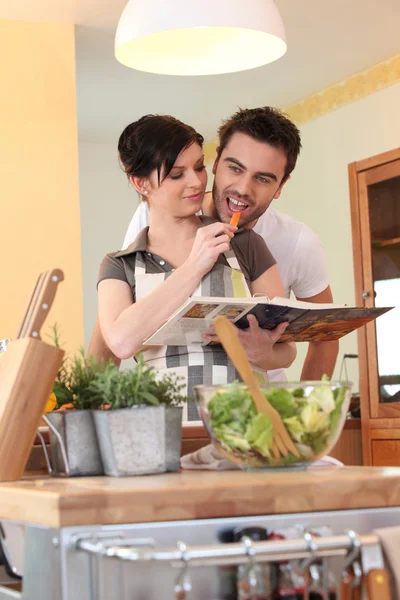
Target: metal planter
x,y
78,435
132,440
173,437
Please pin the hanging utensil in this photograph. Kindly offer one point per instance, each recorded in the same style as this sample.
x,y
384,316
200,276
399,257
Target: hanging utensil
x,y
351,581
375,575
306,563
183,585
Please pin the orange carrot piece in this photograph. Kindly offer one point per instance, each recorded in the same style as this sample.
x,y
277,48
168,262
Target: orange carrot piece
x,y
65,407
235,218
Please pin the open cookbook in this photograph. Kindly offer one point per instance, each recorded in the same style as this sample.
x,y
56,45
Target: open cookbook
x,y
307,321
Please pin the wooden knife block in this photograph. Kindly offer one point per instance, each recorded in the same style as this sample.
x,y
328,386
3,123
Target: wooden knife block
x,y
27,372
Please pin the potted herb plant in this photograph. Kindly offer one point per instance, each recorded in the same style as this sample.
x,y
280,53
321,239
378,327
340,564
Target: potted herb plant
x,y
168,391
72,417
140,431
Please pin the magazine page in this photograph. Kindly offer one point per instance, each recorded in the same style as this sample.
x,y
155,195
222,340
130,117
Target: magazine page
x,y
329,324
190,323
312,325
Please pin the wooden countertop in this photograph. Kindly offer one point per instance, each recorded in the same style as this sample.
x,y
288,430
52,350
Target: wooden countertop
x,y
196,495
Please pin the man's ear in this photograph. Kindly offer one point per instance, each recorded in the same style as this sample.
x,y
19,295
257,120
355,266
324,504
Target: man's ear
x,y
140,184
280,188
214,167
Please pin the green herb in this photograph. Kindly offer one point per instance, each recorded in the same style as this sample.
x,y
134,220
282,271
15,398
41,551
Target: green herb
x,y
169,389
87,383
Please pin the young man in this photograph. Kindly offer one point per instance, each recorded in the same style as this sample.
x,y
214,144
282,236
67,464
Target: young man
x,y
258,150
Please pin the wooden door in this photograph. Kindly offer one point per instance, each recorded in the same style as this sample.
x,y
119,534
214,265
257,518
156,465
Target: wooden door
x,y
375,206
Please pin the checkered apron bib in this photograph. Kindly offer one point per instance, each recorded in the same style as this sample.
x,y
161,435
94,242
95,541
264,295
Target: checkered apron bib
x,y
196,365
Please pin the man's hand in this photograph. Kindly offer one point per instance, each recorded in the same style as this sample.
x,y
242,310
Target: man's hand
x,y
258,342
260,345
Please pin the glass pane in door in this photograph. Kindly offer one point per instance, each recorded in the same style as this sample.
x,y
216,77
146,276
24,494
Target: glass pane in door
x,y
384,214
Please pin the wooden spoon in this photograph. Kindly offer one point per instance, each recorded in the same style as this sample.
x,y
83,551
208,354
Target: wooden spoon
x,y
226,331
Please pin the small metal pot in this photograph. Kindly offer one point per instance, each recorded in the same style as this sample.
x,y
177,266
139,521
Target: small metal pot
x,y
173,437
132,440
78,434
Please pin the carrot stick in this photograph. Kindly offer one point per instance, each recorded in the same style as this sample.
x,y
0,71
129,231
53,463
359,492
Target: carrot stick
x,y
63,407
235,218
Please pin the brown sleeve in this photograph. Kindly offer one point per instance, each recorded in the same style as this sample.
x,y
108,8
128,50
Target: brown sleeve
x,y
252,253
113,267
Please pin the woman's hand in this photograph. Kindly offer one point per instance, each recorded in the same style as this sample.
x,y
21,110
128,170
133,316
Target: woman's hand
x,y
210,241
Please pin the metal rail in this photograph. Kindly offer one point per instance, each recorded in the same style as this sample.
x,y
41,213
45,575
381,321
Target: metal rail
x,y
225,554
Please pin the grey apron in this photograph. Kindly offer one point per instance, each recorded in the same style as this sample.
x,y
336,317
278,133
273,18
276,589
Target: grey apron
x,y
206,365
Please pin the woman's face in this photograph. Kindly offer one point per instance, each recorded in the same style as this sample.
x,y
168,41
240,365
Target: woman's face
x,y
181,192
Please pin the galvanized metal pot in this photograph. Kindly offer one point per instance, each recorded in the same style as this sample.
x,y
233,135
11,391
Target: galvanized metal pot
x,y
132,440
173,437
78,433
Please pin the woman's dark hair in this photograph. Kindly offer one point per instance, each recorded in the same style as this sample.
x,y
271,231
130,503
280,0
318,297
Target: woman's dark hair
x,y
154,142
265,124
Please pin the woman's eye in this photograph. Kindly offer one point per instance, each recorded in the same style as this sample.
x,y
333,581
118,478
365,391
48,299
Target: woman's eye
x,y
199,169
176,176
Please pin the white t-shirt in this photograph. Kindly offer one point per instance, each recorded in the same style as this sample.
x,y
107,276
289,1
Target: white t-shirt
x,y
296,248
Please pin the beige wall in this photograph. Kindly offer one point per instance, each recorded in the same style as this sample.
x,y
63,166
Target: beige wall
x,y
39,199
318,192
108,202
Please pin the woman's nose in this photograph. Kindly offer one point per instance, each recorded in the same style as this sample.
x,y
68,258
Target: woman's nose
x,y
196,180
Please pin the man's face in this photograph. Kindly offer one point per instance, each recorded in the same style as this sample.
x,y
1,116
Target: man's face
x,y
248,176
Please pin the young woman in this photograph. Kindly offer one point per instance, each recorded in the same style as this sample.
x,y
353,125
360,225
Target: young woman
x,y
180,254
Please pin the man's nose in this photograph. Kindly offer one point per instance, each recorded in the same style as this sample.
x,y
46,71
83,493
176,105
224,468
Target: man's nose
x,y
244,185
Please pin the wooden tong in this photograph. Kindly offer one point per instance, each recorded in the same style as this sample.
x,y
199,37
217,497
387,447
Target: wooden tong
x,y
40,303
282,443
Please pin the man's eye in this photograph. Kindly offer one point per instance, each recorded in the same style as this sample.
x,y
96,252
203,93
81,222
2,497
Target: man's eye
x,y
263,180
234,169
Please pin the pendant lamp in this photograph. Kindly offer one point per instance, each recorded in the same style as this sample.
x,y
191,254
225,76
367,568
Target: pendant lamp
x,y
205,37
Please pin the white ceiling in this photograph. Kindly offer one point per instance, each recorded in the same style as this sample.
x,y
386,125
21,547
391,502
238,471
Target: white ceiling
x,y
328,40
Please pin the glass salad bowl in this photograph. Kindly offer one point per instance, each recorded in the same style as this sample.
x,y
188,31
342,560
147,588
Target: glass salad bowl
x,y
313,412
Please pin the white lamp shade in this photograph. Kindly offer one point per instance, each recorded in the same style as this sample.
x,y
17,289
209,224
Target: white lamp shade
x,y
185,37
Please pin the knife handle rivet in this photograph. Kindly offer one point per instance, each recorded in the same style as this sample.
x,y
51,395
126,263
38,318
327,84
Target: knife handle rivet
x,y
54,278
35,334
45,306
379,579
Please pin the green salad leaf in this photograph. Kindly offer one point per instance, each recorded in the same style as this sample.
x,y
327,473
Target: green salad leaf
x,y
310,421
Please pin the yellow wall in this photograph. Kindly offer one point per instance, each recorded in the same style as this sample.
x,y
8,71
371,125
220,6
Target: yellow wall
x,y
39,193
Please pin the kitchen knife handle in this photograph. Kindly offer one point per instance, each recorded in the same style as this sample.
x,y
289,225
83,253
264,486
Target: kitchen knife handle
x,y
29,308
40,303
377,585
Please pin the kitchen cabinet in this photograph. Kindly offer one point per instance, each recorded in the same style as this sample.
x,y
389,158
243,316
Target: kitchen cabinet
x,y
375,215
68,528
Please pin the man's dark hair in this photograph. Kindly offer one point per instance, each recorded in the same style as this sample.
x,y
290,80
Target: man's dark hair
x,y
154,142
265,124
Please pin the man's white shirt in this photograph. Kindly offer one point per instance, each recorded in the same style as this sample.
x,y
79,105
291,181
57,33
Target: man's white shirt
x,y
296,248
